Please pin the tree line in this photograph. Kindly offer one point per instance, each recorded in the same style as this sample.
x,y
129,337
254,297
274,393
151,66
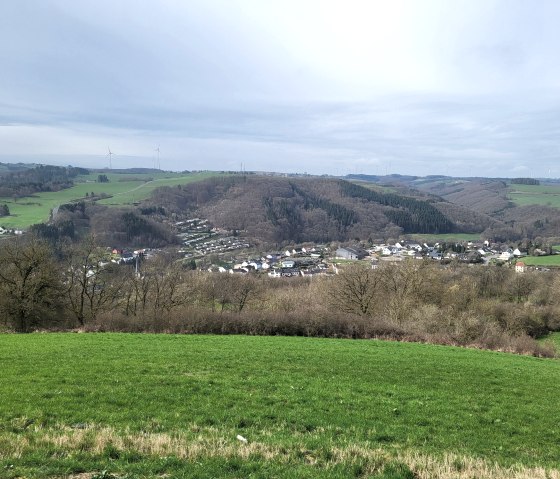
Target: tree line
x,y
414,216
78,287
40,178
525,181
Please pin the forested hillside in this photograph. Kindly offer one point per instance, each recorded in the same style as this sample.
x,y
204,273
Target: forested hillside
x,y
28,181
485,198
276,210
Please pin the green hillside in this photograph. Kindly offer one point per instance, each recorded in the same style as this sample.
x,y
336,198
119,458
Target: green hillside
x,y
173,406
545,195
121,189
550,260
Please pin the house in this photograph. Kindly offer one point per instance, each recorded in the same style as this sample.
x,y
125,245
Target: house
x,y
506,255
520,267
435,255
351,253
414,247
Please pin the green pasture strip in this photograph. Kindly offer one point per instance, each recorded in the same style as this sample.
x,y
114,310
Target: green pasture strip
x,y
535,189
374,186
524,195
445,237
36,209
143,190
551,260
156,405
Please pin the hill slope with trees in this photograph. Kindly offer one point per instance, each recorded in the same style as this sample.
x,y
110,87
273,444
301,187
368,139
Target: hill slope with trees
x,y
278,209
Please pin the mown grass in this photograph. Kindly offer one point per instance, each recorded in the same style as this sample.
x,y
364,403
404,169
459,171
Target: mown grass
x,y
550,260
135,187
446,237
148,405
524,195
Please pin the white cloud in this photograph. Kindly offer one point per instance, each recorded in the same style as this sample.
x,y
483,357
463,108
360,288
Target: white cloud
x,y
318,85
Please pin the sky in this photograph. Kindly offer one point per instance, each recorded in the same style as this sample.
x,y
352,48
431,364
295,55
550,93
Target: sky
x,y
416,87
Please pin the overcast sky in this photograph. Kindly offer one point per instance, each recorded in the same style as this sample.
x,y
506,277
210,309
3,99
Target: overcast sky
x,y
463,88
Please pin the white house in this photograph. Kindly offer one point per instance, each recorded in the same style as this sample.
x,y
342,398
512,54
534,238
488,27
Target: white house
x,y
506,255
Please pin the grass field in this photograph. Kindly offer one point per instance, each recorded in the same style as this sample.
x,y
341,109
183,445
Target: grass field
x,y
523,195
446,237
551,260
123,189
140,406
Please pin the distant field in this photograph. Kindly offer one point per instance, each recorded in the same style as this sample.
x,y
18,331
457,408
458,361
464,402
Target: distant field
x,y
553,260
27,211
140,406
446,237
374,186
523,195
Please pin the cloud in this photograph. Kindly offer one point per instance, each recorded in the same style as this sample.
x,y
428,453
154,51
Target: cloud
x,y
403,86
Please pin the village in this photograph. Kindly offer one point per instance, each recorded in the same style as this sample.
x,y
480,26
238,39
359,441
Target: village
x,y
211,249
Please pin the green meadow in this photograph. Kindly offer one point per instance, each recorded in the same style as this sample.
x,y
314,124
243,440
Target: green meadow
x,y
140,405
545,195
122,189
551,260
446,237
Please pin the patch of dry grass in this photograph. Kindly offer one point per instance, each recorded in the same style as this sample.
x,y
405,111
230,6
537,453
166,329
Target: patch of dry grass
x,y
196,444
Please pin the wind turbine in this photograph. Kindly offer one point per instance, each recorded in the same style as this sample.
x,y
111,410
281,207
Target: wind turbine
x,y
110,155
158,163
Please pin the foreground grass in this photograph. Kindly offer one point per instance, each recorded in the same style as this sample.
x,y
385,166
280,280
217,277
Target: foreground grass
x,y
122,188
148,405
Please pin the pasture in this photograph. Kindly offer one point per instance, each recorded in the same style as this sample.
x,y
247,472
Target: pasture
x,y
122,189
550,260
545,195
141,405
431,238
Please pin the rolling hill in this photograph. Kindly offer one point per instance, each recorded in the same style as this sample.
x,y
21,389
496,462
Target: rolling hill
x,y
277,209
518,210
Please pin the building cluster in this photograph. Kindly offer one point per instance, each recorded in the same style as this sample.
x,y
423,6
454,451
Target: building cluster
x,y
200,239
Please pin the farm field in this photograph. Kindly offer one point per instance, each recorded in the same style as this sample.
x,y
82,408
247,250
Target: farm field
x,y
524,195
446,237
122,189
551,260
139,406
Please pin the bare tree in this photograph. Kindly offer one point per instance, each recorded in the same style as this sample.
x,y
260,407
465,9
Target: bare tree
x,y
402,283
163,285
92,283
356,289
29,283
520,286
230,291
